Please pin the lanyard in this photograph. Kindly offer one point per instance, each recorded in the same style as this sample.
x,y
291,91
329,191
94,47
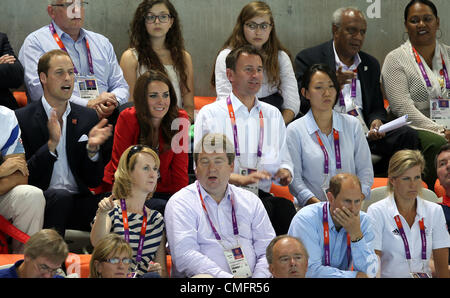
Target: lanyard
x,y
233,215
326,239
235,130
444,70
337,149
62,47
405,240
424,73
353,90
126,229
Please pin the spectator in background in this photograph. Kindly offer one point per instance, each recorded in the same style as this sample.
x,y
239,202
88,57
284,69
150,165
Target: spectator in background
x,y
443,173
99,82
414,75
111,258
156,42
409,229
135,182
44,254
11,73
255,26
287,257
21,203
358,74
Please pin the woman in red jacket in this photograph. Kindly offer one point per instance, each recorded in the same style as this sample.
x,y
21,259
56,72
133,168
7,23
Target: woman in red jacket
x,y
150,123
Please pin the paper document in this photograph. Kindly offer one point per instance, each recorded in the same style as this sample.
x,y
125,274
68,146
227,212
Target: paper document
x,y
394,124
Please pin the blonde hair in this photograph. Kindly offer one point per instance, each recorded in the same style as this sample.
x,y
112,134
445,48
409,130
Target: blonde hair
x,y
402,161
127,162
109,245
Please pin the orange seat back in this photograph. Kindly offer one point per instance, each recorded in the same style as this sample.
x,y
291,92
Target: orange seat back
x,y
439,190
281,192
21,98
200,101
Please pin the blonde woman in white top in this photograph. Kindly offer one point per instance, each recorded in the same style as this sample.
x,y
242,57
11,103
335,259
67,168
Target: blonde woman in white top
x,y
409,231
156,42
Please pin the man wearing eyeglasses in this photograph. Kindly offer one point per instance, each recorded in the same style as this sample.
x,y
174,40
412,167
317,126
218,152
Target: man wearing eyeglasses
x,y
99,84
44,254
359,76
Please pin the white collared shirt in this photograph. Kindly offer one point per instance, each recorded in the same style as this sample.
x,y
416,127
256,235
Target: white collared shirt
x,y
388,239
193,246
347,89
215,118
62,177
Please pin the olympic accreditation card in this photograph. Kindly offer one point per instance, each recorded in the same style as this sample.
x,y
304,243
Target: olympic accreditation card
x,y
237,262
440,111
251,187
88,87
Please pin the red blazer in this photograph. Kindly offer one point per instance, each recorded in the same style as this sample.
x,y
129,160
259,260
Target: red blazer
x,y
173,168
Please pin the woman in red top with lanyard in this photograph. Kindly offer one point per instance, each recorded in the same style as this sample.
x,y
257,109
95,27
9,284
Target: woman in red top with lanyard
x,y
150,123
143,228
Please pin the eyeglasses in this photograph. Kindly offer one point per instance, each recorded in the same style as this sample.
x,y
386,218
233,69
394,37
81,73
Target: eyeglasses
x,y
115,261
164,18
44,268
68,4
253,26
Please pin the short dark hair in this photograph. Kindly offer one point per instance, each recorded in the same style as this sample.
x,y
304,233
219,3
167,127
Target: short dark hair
x,y
306,79
44,61
445,147
233,56
426,2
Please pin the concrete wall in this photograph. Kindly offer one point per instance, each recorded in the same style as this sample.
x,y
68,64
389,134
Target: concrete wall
x,y
207,23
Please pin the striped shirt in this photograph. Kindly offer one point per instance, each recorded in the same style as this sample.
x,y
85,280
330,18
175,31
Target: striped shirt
x,y
153,236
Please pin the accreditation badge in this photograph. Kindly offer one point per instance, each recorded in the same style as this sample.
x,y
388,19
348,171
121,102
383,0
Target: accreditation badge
x,y
87,87
440,111
251,187
420,275
237,262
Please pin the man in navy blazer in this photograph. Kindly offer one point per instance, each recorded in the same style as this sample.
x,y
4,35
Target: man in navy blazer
x,y
344,54
11,73
62,142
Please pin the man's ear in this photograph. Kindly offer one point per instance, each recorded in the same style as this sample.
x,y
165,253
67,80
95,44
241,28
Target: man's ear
x,y
334,29
43,78
50,12
330,197
230,73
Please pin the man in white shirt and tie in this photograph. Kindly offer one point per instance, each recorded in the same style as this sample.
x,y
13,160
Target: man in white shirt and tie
x,y
258,132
